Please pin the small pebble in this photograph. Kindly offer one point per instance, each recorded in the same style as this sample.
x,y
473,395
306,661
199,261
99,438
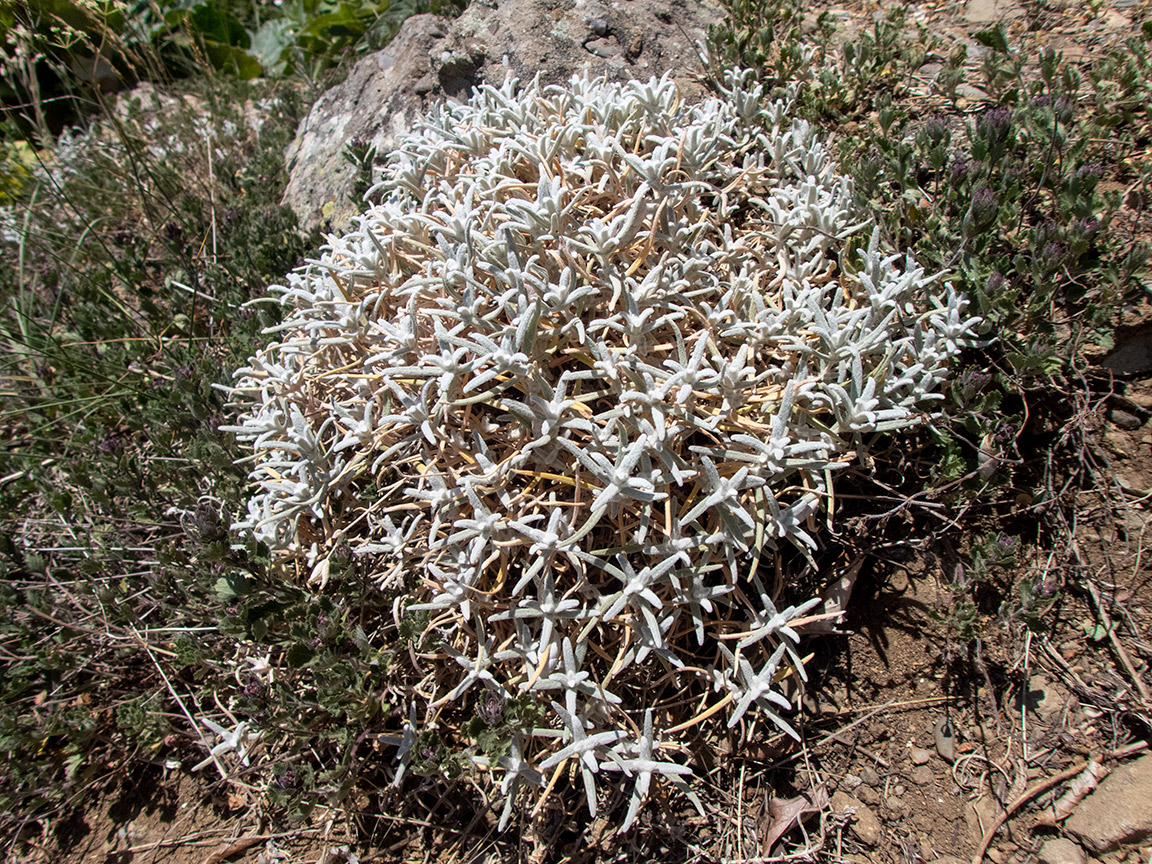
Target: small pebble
x,y
1124,420
920,756
598,26
922,775
945,734
1060,850
869,776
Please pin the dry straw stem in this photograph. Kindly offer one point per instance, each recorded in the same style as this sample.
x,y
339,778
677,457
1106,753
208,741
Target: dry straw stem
x,y
593,357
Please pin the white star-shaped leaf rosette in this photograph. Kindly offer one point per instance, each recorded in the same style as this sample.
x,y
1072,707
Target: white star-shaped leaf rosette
x,y
596,354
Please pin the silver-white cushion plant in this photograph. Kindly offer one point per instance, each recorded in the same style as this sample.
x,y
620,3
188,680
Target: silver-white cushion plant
x,y
591,355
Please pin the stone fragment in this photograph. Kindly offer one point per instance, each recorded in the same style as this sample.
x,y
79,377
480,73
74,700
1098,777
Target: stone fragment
x,y
865,825
377,103
1061,850
433,57
1118,811
1125,420
869,776
972,94
989,11
919,756
945,734
1133,522
922,775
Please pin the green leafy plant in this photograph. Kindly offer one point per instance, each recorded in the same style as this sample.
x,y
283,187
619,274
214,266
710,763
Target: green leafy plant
x,y
120,311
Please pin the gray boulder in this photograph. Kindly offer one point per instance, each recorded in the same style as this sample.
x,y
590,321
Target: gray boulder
x,y
432,58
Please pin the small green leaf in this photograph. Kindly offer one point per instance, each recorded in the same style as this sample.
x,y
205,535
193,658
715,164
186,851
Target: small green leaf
x,y
298,655
233,586
215,25
230,58
995,38
272,44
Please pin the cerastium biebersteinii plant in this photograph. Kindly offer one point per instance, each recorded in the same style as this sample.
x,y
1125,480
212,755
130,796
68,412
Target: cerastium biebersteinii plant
x,y
588,359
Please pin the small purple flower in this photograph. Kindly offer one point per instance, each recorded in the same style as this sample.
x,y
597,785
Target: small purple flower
x,y
112,445
994,285
959,172
981,212
974,383
1089,171
995,123
288,779
490,707
1053,254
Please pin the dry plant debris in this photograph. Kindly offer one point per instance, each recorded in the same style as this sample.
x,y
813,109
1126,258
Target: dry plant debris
x,y
591,356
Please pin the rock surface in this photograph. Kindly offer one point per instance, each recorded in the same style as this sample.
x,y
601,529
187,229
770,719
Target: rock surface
x,y
865,824
1119,811
945,737
433,57
922,775
1062,851
990,11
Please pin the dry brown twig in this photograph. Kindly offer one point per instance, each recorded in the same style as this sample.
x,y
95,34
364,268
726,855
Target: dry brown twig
x,y
1043,786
